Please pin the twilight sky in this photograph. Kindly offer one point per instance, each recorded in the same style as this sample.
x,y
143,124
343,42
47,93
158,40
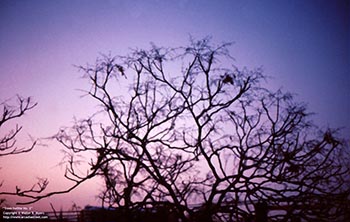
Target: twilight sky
x,y
303,45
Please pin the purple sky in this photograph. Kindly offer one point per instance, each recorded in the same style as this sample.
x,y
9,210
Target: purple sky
x,y
303,45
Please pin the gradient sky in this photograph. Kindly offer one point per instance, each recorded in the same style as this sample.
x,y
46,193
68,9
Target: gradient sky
x,y
303,45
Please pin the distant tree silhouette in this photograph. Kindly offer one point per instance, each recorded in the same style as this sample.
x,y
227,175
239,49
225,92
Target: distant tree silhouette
x,y
8,113
185,128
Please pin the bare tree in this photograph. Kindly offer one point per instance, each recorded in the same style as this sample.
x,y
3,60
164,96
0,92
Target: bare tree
x,y
8,139
204,139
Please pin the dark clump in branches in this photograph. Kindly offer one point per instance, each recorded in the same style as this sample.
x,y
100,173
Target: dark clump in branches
x,y
184,128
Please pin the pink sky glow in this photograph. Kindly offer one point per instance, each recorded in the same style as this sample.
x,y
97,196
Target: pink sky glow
x,y
303,46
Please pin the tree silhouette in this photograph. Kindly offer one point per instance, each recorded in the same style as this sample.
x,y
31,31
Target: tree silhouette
x,y
8,142
184,129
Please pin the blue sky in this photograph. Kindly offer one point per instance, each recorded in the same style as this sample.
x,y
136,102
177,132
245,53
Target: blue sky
x,y
303,45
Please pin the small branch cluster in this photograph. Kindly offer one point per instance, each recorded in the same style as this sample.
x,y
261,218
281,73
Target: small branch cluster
x,y
8,141
9,113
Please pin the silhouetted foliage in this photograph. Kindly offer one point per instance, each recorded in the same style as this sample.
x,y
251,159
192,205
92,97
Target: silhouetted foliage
x,y
184,127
